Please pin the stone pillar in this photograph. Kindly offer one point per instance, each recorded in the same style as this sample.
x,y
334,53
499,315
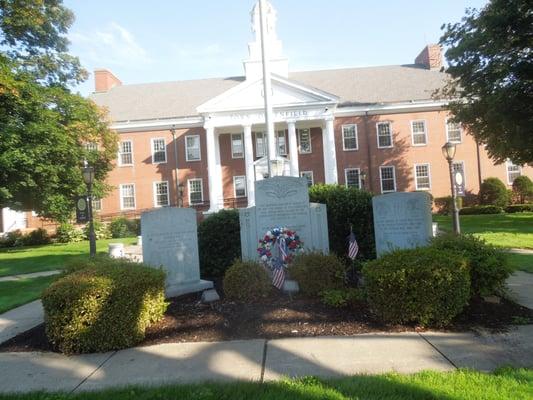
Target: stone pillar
x,y
293,148
249,164
213,169
330,154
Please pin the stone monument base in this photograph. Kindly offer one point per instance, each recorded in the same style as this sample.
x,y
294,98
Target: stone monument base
x,y
179,289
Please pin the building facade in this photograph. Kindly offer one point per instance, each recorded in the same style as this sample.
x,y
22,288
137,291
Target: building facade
x,y
203,143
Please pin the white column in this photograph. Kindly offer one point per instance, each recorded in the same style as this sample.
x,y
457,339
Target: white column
x,y
249,163
293,148
330,154
213,169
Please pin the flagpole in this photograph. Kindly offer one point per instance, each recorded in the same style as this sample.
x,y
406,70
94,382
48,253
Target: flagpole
x,y
267,88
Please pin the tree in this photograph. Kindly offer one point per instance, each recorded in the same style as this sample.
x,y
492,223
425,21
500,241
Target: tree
x,y
523,189
491,87
44,127
493,192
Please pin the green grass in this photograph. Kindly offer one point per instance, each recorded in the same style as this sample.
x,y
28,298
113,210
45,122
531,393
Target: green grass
x,y
502,230
17,293
23,260
516,384
522,262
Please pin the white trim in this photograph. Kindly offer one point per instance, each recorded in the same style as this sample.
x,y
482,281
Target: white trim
x,y
508,164
233,156
416,176
243,177
356,137
152,140
308,172
154,192
448,136
390,132
120,164
122,198
393,176
346,170
157,124
298,130
94,209
199,148
412,106
189,191
413,133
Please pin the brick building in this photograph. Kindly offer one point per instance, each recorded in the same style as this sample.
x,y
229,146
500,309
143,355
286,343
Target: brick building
x,y
202,143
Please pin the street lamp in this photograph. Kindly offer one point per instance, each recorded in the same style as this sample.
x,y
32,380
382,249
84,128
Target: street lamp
x,y
88,177
448,151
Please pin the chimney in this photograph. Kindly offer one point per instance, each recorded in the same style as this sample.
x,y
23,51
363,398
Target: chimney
x,y
105,80
430,57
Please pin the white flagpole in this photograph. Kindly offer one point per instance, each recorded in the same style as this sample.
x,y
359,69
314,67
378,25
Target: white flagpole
x,y
267,87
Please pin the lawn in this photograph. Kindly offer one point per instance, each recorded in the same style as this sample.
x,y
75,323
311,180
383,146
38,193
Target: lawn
x,y
23,260
523,262
16,293
516,384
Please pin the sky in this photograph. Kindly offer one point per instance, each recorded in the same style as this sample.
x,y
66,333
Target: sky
x,y
163,40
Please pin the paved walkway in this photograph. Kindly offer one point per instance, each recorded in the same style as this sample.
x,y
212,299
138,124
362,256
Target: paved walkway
x,y
521,286
521,251
260,360
27,276
20,319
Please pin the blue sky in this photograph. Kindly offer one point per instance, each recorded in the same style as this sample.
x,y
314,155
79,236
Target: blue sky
x,y
161,40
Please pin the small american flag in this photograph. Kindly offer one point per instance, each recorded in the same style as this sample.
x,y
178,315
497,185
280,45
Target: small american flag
x,y
278,275
353,247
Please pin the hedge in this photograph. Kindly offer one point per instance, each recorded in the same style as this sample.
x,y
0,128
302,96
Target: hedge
x,y
316,272
105,305
246,281
424,285
493,192
478,210
519,208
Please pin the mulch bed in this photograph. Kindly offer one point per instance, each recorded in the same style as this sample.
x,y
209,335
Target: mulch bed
x,y
187,320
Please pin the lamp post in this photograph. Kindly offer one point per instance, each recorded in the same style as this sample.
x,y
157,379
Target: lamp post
x,y
88,177
448,150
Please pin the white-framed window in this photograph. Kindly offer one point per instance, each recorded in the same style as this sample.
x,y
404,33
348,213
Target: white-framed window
x,y
384,135
97,204
196,191
453,132
239,186
260,144
352,178
349,137
159,150
513,171
387,177
419,135
422,177
127,196
459,166
281,143
237,147
161,197
304,138
192,148
309,176
125,153
91,146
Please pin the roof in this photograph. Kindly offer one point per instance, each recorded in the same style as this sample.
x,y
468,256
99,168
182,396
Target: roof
x,y
354,86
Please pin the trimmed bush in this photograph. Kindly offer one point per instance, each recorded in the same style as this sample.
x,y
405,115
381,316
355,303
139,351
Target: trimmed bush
x,y
479,210
246,281
101,230
37,237
424,285
493,192
105,306
523,189
316,272
349,297
519,208
12,239
68,233
219,242
347,206
121,227
488,265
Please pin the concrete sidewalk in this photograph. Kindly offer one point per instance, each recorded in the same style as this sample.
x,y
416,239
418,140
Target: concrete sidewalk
x,y
261,360
11,278
521,286
20,319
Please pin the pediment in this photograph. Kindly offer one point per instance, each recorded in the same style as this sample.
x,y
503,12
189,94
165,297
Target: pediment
x,y
249,96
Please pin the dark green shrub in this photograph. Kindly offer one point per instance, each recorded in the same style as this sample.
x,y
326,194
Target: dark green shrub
x,y
37,237
493,192
519,208
424,285
106,306
347,206
119,228
444,205
479,210
12,239
488,265
246,281
134,226
68,233
219,242
523,189
101,230
316,272
348,297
